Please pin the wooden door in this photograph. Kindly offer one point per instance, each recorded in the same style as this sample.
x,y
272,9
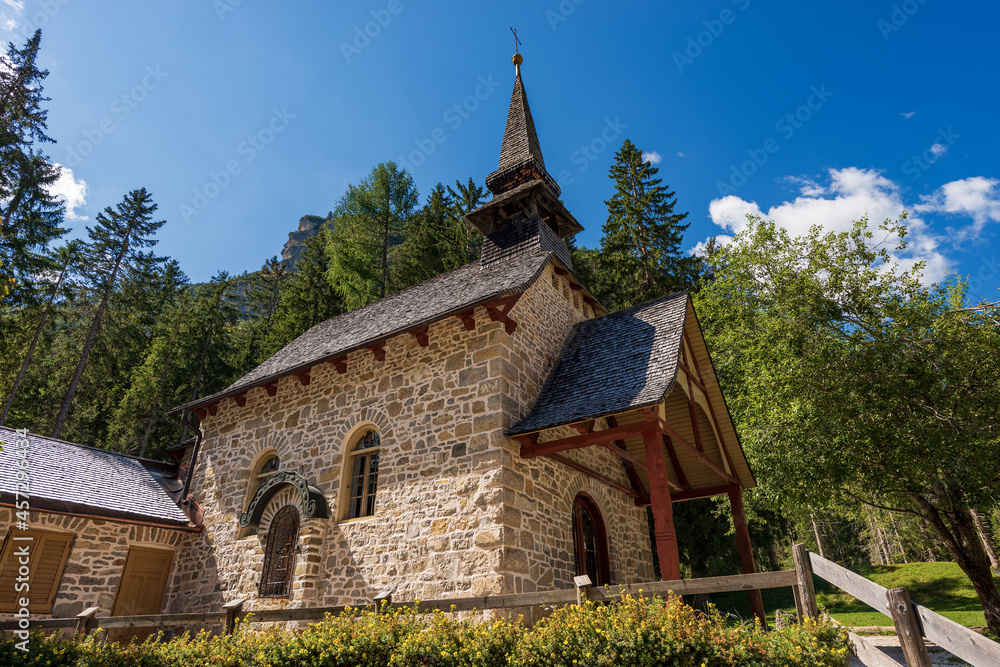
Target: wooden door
x,y
141,589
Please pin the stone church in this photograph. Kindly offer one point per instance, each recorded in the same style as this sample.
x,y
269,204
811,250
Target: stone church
x,y
493,430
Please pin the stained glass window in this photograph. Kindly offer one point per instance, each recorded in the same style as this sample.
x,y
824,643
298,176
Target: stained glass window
x,y
279,556
364,476
267,467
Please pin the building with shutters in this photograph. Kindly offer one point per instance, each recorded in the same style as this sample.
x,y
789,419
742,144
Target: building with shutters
x,y
91,527
493,430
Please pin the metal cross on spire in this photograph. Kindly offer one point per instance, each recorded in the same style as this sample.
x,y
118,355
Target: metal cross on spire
x,y
517,59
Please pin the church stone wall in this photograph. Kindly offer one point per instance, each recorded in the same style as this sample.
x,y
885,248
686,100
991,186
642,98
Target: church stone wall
x,y
458,512
97,557
539,492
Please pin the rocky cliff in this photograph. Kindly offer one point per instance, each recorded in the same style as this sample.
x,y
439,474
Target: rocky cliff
x,y
308,227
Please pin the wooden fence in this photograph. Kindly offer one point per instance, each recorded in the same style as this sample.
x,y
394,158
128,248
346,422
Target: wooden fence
x,y
913,622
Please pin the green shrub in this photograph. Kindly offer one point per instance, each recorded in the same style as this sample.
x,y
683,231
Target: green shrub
x,y
632,632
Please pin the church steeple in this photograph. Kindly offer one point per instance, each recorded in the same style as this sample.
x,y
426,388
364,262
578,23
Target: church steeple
x,y
525,209
521,154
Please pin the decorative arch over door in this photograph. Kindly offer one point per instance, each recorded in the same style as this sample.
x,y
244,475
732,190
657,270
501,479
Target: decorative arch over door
x,y
590,541
312,501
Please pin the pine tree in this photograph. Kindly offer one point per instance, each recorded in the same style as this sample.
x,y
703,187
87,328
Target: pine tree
x,y
465,198
307,298
370,220
113,252
261,299
640,253
65,258
436,242
30,216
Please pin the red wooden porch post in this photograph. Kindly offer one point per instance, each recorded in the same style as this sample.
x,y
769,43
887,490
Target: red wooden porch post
x,y
746,550
662,506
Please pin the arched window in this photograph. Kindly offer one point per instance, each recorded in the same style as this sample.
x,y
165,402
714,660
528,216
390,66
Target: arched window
x,y
361,487
267,466
590,540
279,555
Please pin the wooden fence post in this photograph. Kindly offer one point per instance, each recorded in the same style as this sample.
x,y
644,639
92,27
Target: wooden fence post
x,y
377,601
911,637
231,609
582,582
83,618
804,574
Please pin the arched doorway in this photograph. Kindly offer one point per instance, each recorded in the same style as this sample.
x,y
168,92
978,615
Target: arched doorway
x,y
279,555
590,540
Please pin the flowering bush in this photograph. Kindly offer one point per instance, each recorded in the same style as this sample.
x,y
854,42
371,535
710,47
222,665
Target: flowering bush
x,y
631,632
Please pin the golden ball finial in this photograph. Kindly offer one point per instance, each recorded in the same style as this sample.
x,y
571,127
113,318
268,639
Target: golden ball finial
x,y
517,59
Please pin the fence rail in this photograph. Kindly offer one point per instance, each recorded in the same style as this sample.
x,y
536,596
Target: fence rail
x,y
913,622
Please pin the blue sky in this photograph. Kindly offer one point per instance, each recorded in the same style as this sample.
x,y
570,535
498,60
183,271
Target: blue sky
x,y
242,116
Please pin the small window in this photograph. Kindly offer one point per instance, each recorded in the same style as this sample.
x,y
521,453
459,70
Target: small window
x,y
47,554
279,555
266,468
590,541
364,476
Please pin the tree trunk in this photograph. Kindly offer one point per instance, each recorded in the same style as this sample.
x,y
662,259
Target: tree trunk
x,y
967,549
819,539
75,382
985,534
31,348
880,555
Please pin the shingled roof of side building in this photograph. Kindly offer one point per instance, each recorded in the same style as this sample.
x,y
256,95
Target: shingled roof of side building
x,y
66,477
611,364
446,295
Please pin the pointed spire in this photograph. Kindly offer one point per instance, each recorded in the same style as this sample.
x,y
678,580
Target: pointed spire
x,y
520,154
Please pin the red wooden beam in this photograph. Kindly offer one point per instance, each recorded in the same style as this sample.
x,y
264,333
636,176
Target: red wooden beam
x,y
573,286
498,311
340,363
559,270
599,477
692,410
378,350
468,319
241,399
527,440
584,427
676,437
633,476
272,388
692,377
584,440
420,333
662,505
304,377
681,477
697,494
213,409
201,413
590,301
746,550
623,453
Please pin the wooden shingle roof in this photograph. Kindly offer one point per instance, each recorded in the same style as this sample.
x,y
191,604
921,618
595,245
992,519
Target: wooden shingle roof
x,y
451,293
612,364
67,477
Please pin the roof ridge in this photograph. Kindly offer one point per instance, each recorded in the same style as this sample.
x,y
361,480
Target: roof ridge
x,y
87,447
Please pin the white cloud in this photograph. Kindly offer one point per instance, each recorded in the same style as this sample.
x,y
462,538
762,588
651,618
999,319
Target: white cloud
x,y
10,25
73,192
851,194
16,5
908,114
652,157
680,154
977,198
939,150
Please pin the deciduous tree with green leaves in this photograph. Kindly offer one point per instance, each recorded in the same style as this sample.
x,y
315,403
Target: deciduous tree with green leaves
x,y
852,382
640,253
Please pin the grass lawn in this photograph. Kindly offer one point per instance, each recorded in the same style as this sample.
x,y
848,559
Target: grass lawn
x,y
941,587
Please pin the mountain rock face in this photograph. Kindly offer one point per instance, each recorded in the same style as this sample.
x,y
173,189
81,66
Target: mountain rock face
x,y
308,227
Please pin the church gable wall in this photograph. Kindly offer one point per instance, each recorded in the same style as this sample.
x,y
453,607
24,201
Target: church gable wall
x,y
437,526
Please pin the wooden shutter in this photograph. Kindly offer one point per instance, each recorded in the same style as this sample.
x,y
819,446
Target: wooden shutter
x,y
47,558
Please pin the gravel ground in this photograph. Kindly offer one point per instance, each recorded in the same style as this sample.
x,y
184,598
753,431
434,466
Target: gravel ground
x,y
890,646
